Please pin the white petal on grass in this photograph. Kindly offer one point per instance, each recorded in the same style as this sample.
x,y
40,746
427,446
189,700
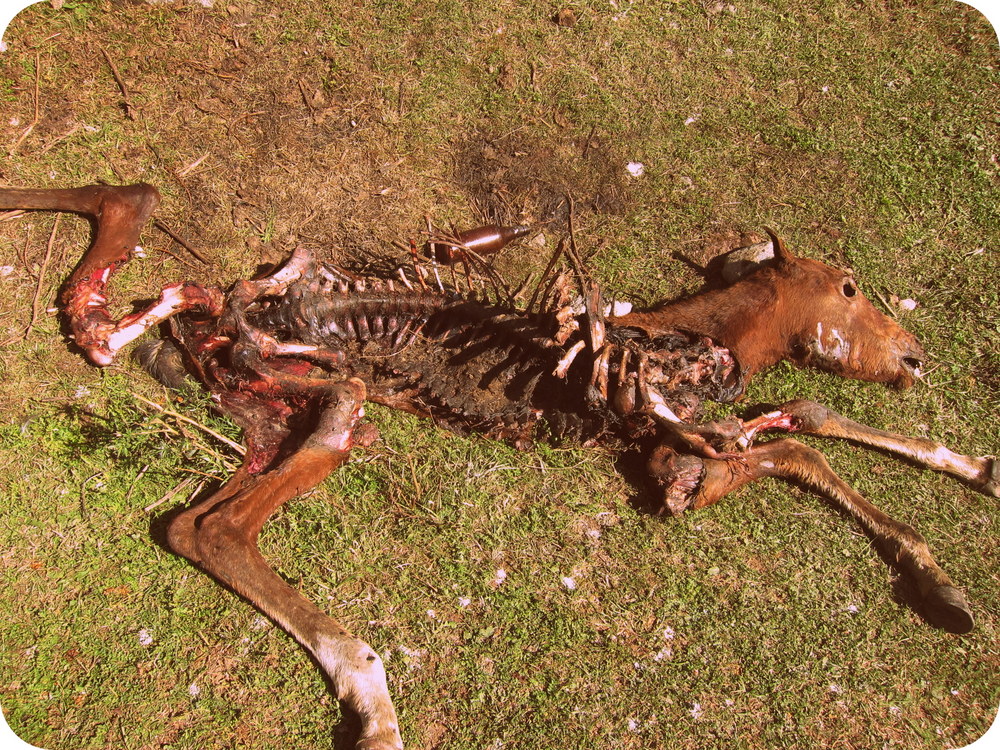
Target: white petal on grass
x,y
636,168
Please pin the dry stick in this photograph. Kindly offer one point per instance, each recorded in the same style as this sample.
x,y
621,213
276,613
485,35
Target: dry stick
x,y
176,257
41,279
52,144
207,430
169,494
185,171
34,122
586,145
129,108
131,487
166,230
305,99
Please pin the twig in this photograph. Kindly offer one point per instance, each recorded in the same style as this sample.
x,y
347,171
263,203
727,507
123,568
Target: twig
x,y
34,122
51,144
207,430
169,494
41,279
178,258
131,487
166,230
185,171
305,99
129,108
586,145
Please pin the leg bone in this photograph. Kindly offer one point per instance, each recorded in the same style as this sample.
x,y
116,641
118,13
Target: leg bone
x,y
119,213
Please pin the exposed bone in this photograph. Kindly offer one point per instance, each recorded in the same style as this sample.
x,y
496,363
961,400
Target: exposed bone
x,y
599,374
769,421
102,338
272,399
563,367
658,406
295,268
617,308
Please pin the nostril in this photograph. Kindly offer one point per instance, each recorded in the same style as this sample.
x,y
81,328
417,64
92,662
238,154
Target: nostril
x,y
912,363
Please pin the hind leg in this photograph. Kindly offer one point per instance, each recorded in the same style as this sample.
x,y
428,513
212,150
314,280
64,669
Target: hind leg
x,y
119,213
795,462
220,536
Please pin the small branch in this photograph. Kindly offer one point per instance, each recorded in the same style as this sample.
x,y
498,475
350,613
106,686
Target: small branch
x,y
184,483
41,278
185,171
129,108
167,231
38,287
586,145
305,100
178,258
34,122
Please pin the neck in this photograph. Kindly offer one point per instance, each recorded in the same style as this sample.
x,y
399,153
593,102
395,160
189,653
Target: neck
x,y
739,317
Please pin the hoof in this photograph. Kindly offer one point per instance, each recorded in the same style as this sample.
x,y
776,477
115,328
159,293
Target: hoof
x,y
991,485
947,608
677,475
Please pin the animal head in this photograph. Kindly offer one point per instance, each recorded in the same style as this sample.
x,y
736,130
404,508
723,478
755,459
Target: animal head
x,y
829,324
795,309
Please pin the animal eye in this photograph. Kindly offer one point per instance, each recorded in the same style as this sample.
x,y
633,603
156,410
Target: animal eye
x,y
849,289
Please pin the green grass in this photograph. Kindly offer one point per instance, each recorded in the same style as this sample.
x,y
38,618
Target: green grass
x,y
866,134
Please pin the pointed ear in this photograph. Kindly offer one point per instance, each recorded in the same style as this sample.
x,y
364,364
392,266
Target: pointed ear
x,y
781,253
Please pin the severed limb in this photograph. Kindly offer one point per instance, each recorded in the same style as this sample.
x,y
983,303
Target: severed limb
x,y
220,536
695,482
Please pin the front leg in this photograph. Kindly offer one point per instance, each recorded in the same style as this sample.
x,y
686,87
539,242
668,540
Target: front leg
x,y
810,418
690,482
219,535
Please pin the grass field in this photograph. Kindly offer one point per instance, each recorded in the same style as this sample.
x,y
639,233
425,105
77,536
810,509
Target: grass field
x,y
520,599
